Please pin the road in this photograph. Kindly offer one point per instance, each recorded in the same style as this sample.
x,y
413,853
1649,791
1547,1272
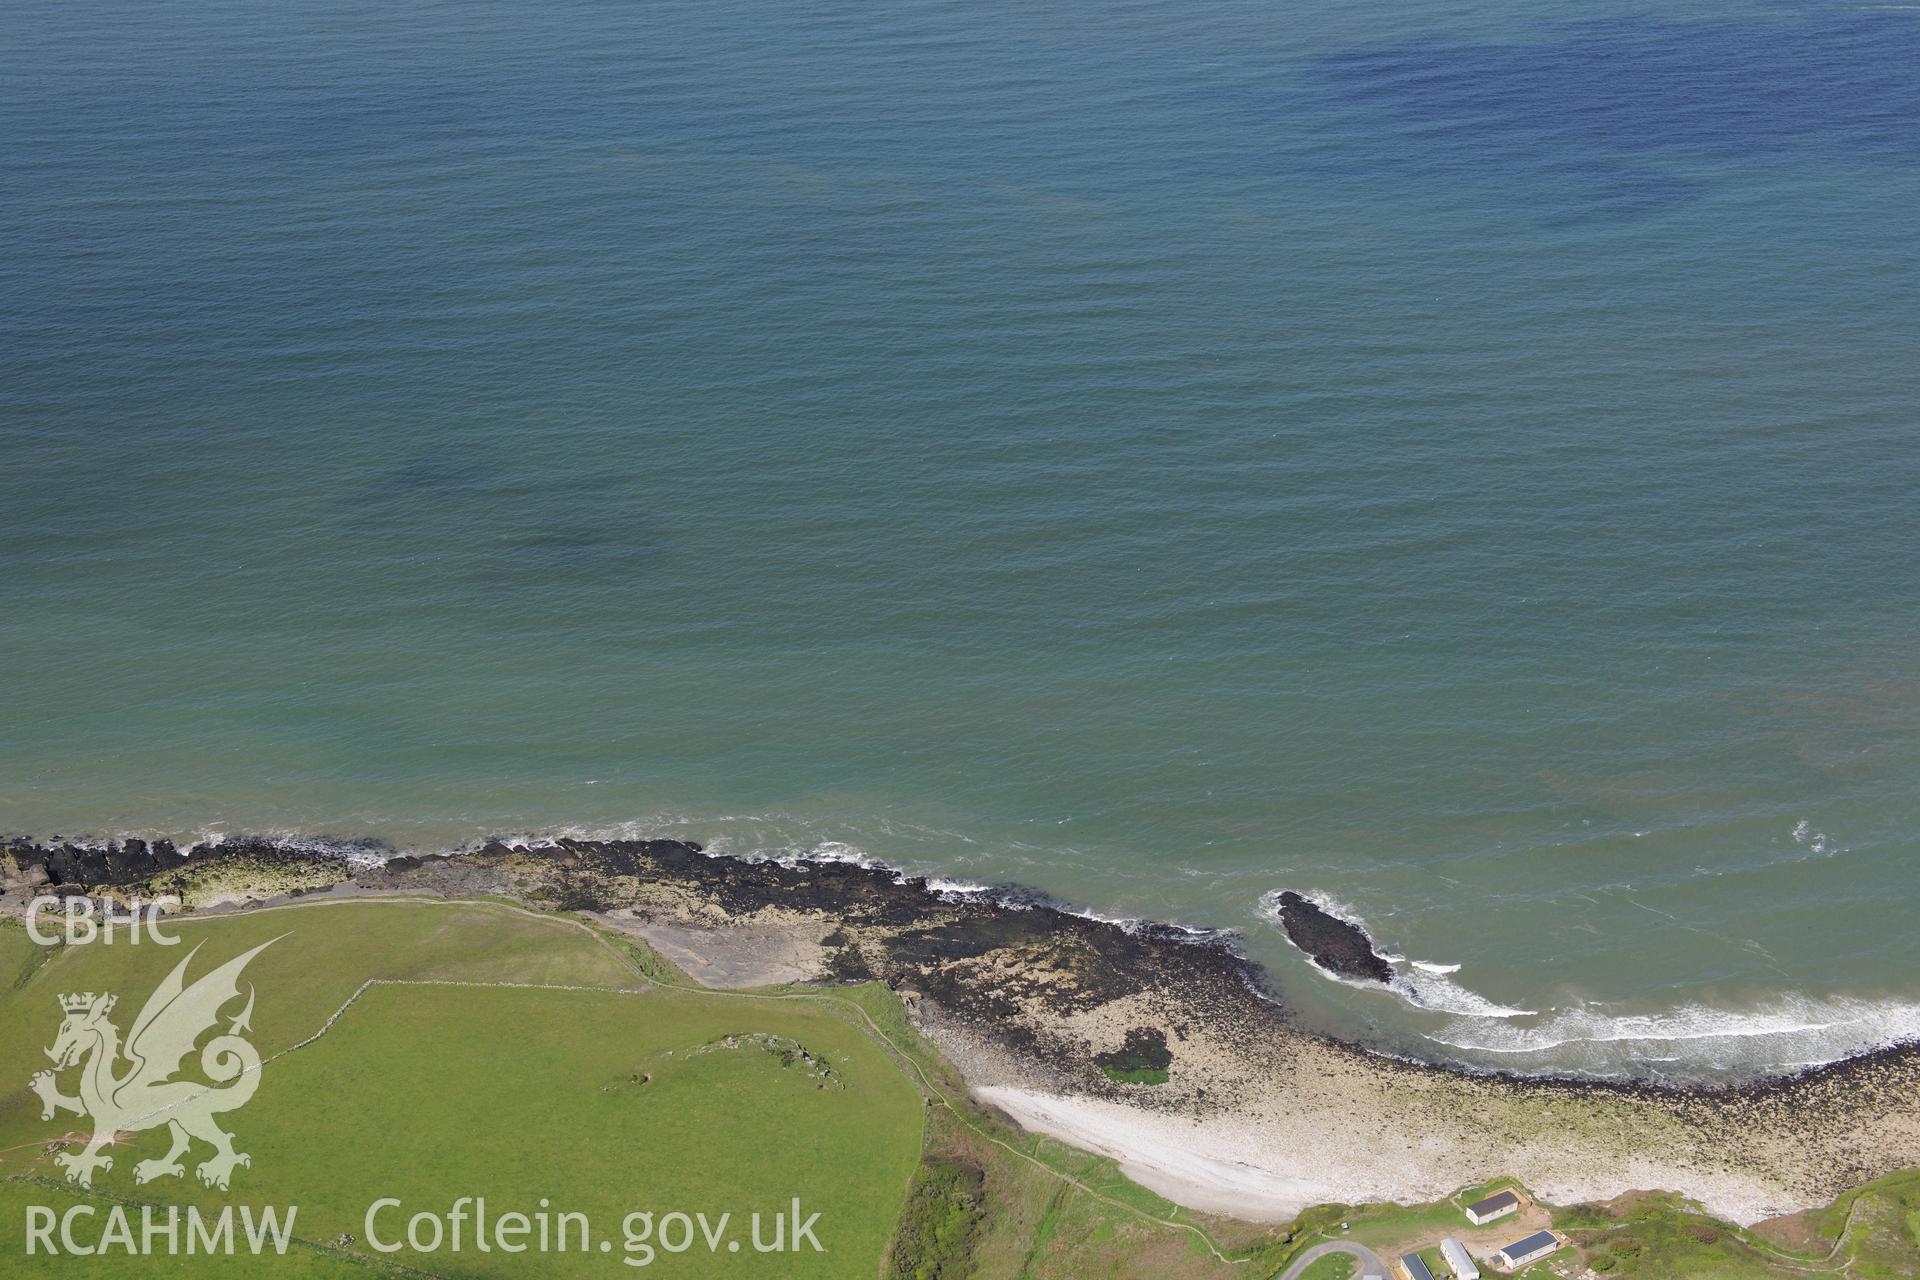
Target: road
x,y
1369,1260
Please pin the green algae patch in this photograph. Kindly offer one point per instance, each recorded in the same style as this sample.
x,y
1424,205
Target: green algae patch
x,y
1143,1058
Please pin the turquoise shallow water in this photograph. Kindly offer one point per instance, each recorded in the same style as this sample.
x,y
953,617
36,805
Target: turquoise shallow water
x,y
1457,462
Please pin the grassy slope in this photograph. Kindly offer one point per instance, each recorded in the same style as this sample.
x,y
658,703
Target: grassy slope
x,y
18,956
428,1093
1051,1210
552,1075
1877,1226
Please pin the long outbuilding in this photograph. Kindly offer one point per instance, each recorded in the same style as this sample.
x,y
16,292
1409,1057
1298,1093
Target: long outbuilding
x,y
1459,1261
1528,1249
1415,1268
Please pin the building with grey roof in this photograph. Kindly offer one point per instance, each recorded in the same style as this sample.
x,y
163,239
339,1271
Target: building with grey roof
x,y
1493,1208
1530,1249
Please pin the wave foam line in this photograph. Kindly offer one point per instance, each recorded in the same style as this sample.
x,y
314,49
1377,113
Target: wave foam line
x,y
1423,984
1813,1030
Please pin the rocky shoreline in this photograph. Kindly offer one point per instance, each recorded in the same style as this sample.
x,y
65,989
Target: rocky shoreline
x,y
978,958
894,926
1107,1030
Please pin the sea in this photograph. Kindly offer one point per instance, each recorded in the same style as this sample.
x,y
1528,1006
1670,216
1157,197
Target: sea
x,y
1457,461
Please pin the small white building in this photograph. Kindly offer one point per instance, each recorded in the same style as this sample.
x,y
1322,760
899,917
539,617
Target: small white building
x,y
1531,1249
1459,1261
1493,1208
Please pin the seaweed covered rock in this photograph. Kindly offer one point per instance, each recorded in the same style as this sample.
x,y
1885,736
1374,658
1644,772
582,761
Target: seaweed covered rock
x,y
1336,945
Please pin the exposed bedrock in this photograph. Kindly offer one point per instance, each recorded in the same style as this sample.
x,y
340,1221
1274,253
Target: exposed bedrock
x,y
1336,945
1011,965
1175,1023
75,868
73,864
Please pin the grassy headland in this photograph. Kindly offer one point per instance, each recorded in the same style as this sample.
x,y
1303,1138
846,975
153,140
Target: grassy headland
x,y
561,1053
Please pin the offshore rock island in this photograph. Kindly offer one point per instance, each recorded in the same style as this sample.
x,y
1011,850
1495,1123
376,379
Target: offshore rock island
x,y
1336,945
1157,1045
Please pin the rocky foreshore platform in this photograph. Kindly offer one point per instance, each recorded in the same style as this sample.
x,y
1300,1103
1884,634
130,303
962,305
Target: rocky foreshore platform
x,y
1010,967
1051,1015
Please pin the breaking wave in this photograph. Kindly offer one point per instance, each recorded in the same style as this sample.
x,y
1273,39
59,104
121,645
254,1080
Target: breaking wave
x,y
356,851
1424,984
1782,1032
1437,992
766,838
1815,841
1689,1042
1798,1031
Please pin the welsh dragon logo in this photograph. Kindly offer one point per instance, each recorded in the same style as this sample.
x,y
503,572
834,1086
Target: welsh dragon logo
x,y
144,1094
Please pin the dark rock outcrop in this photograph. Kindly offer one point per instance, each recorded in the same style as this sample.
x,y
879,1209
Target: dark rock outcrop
x,y
154,867
1336,945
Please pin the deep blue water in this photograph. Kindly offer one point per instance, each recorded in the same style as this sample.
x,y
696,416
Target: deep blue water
x,y
1458,461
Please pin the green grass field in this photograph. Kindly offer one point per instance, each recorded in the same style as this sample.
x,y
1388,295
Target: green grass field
x,y
430,1093
484,1050
630,1089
